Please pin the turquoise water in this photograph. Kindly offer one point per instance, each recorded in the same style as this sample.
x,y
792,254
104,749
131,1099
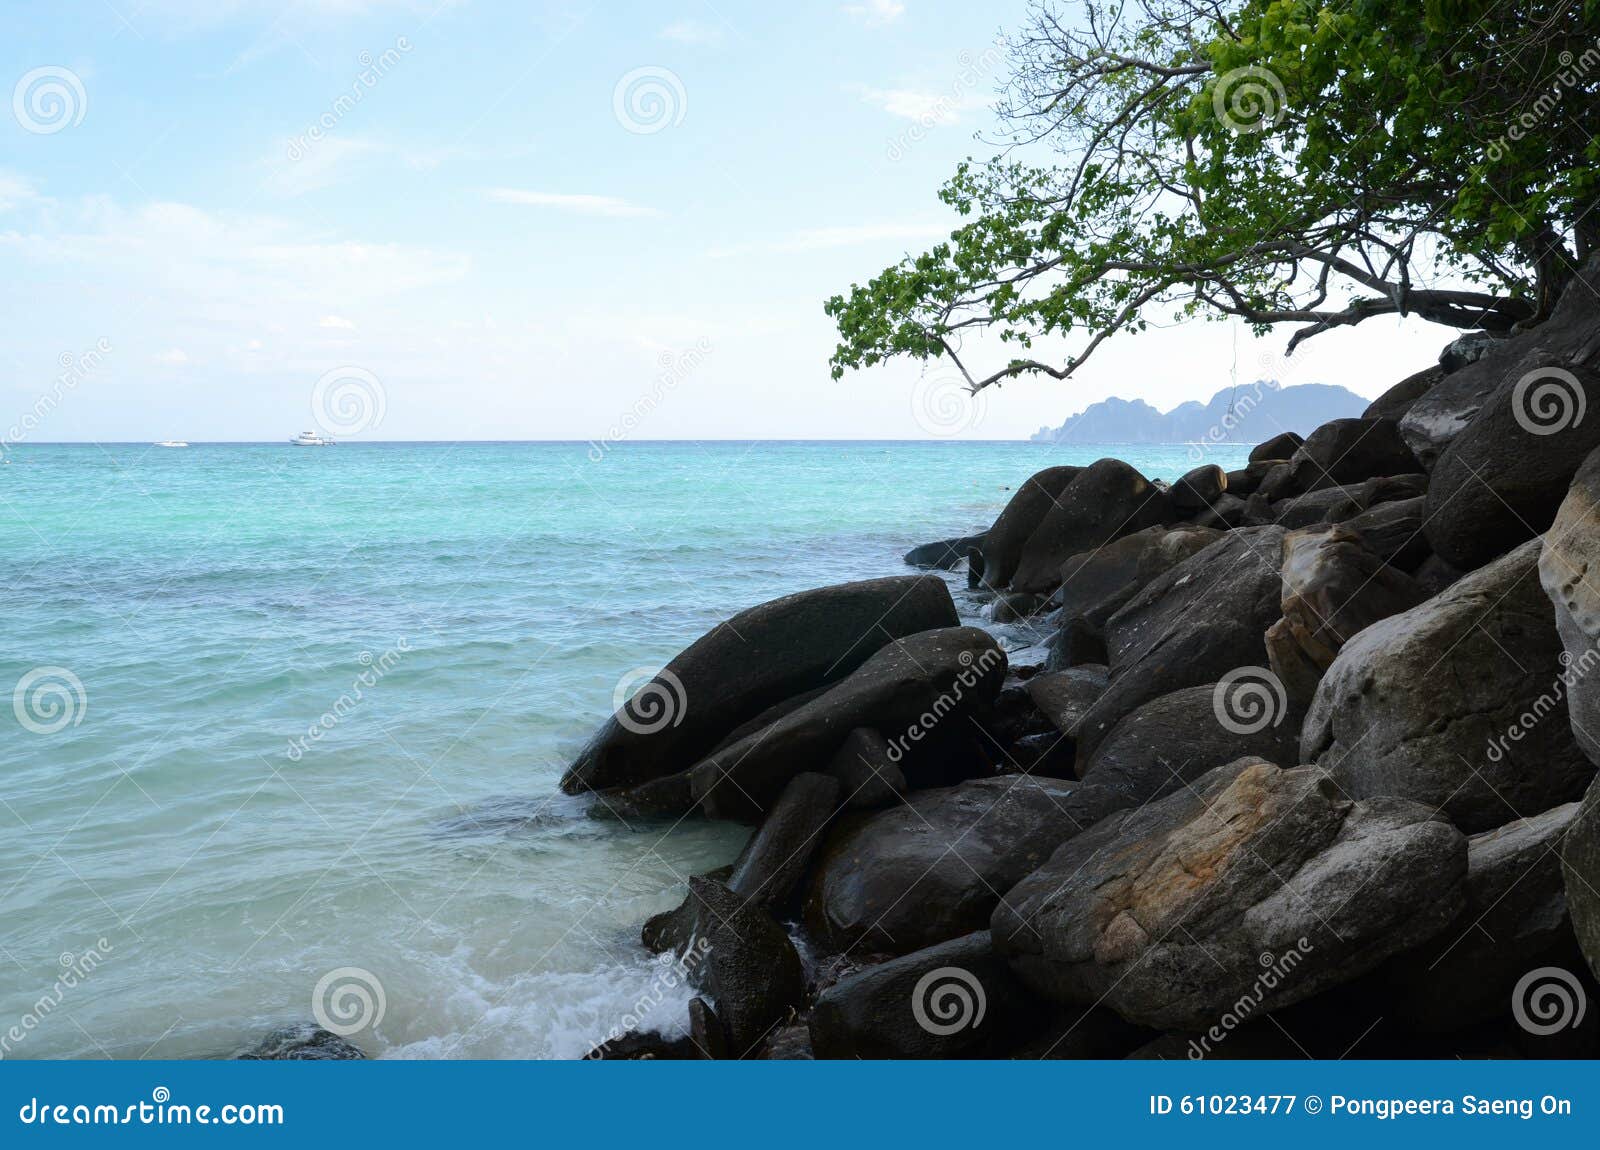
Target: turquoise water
x,y
452,620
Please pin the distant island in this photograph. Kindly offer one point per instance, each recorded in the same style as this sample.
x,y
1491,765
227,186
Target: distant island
x,y
1249,413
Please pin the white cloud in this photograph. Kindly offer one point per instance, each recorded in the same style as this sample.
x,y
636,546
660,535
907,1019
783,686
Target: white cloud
x,y
821,239
319,164
582,205
875,13
912,104
336,322
691,32
172,357
14,190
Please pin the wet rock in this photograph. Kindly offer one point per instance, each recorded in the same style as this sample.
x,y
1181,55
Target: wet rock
x,y
1014,606
644,1046
944,675
1105,501
750,968
1163,913
1003,544
1501,480
1076,643
789,1044
1449,703
868,777
1064,697
934,867
706,1031
953,1000
1200,620
302,1042
1345,451
945,554
756,659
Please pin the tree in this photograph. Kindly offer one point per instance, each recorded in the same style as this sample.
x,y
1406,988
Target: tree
x,y
1310,162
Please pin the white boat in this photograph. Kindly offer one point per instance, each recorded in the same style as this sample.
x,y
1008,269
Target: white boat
x,y
171,443
311,439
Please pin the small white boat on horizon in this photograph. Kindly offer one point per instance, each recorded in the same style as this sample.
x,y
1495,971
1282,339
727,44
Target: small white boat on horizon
x,y
311,439
170,443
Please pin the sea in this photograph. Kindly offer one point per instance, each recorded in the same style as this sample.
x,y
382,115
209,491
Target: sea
x,y
282,727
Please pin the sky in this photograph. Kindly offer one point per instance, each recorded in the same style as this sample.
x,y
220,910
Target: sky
x,y
238,219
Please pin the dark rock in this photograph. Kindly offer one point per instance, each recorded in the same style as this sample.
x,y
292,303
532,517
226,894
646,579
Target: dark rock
x,y
1501,480
706,1031
1245,481
1050,755
644,1046
1580,868
1194,624
1228,511
1278,483
975,569
1349,451
1077,643
933,867
1334,587
1164,913
868,777
953,1000
1375,493
945,554
302,1042
1175,739
1466,349
1095,583
1393,531
756,659
1013,606
1314,506
1515,920
1064,697
750,969
656,799
1394,403
1446,703
789,1044
892,691
1105,501
1282,446
1197,490
1567,570
1433,574
1003,544
671,929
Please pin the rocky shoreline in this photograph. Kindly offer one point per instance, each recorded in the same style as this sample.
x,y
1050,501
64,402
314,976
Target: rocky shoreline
x,y
1304,772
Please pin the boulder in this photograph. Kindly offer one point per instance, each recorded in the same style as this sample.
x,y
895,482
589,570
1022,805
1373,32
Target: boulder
x,y
952,1000
302,1042
1004,541
1334,587
1500,481
1105,501
706,1031
1278,483
1280,446
1375,493
751,969
1515,920
756,659
789,1044
1468,348
1194,624
1348,451
868,777
1449,703
1095,583
1433,574
1255,884
1064,697
945,554
1314,506
933,868
1245,481
1393,531
1228,511
1580,868
1197,490
1077,643
911,686
1567,565
1015,606
1175,739
1394,403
